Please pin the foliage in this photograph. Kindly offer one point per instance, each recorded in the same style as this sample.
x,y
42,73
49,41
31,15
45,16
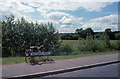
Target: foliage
x,y
117,36
69,36
98,35
105,37
90,44
19,35
84,33
115,44
80,33
109,33
66,49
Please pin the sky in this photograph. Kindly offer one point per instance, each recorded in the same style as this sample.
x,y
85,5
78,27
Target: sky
x,y
66,15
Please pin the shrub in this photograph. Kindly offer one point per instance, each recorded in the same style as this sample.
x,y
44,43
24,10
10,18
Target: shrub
x,y
117,36
115,44
90,44
66,49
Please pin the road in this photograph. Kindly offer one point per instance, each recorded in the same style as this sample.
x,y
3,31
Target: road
x,y
26,69
102,71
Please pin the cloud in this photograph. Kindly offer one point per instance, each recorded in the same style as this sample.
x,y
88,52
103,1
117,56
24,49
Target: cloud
x,y
73,5
94,6
100,24
67,30
8,5
71,20
15,7
45,6
107,19
64,22
69,23
62,17
55,15
97,0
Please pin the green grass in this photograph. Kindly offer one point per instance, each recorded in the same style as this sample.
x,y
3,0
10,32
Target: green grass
x,y
15,60
12,60
73,43
83,54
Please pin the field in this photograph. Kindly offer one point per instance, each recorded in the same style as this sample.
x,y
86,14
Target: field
x,y
72,43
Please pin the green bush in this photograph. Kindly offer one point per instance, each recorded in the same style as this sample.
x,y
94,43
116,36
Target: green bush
x,y
118,45
90,44
117,36
66,50
115,44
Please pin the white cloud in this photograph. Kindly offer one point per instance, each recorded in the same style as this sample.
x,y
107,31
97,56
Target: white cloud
x,y
68,23
94,6
73,5
96,0
64,21
100,24
107,19
67,30
62,17
45,6
55,15
15,7
61,20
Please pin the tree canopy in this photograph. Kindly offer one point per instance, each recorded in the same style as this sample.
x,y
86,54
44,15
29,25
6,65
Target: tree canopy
x,y
84,33
18,35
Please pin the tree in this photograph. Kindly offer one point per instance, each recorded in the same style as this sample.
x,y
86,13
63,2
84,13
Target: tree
x,y
19,35
108,30
84,33
117,36
89,31
109,33
78,30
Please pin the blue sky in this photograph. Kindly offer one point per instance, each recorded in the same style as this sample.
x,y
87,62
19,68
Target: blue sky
x,y
66,15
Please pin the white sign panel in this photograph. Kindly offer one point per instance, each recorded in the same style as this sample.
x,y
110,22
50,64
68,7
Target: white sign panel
x,y
40,53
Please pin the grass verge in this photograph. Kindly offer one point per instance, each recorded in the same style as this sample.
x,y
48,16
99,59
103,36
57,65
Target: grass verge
x,y
16,60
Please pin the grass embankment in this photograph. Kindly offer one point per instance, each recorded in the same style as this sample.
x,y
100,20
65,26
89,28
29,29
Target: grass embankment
x,y
73,43
15,60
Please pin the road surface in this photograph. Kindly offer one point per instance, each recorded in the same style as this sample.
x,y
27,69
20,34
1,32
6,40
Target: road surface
x,y
25,69
102,71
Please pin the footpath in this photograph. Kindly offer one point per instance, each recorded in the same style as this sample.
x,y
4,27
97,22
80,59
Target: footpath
x,y
42,69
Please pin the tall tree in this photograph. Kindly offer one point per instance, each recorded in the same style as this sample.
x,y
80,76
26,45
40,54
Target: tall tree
x,y
117,36
20,35
109,33
84,33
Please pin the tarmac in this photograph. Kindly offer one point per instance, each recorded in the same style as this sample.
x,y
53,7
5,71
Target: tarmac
x,y
20,71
